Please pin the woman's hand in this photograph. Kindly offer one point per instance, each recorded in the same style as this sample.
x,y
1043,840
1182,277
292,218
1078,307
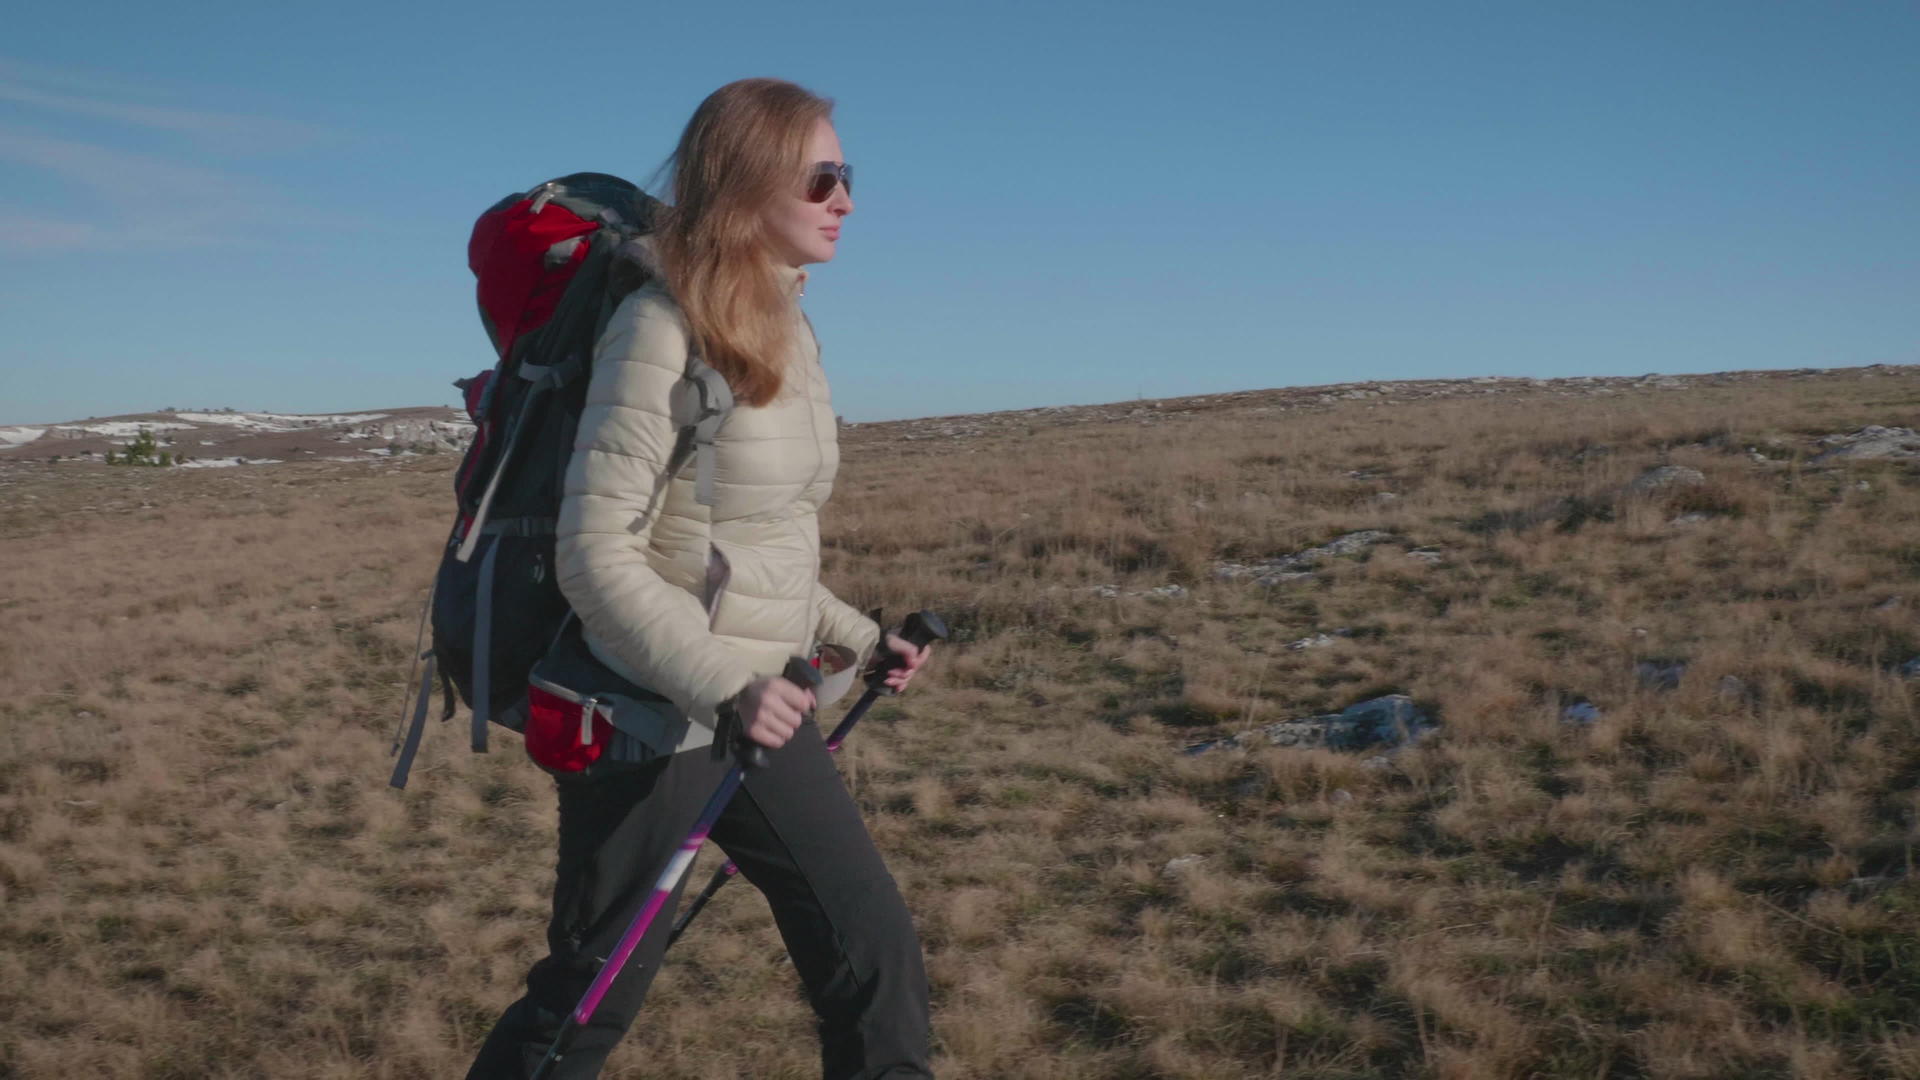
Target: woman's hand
x,y
771,709
906,660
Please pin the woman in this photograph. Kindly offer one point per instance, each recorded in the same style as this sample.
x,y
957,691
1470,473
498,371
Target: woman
x,y
705,604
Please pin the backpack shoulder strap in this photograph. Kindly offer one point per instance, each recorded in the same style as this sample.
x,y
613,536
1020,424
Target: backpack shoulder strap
x,y
702,402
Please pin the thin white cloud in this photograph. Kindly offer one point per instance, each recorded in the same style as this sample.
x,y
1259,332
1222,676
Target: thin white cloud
x,y
144,201
117,101
70,80
19,232
138,199
228,130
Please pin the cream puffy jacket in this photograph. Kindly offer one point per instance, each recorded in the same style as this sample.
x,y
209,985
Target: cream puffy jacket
x,y
636,561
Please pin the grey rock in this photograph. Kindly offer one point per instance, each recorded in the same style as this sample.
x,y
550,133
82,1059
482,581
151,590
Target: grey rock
x,y
1352,543
1911,669
1660,674
1666,476
1104,592
1264,574
1692,518
1181,864
1580,713
1432,556
1390,721
1872,441
1340,796
1294,567
444,434
1168,591
1891,603
1316,641
1732,686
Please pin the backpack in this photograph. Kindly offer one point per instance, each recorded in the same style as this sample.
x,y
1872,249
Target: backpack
x,y
551,265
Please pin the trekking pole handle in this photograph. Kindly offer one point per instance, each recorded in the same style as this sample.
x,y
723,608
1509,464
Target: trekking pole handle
x,y
921,629
801,673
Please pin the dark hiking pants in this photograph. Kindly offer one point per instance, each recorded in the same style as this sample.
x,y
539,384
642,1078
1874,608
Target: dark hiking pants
x,y
797,835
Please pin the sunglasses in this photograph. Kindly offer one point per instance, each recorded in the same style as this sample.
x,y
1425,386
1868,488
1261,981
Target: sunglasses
x,y
825,175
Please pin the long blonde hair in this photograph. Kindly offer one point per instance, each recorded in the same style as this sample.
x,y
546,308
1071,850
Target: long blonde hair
x,y
739,152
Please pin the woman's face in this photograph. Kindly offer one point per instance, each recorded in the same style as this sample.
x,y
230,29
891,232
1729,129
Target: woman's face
x,y
805,232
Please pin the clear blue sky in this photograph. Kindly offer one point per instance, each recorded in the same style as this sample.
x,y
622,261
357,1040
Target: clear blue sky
x,y
266,205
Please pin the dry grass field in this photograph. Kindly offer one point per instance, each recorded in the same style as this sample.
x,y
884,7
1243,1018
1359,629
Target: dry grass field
x,y
203,873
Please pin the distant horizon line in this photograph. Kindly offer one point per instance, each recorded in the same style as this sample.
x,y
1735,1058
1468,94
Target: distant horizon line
x,y
1072,405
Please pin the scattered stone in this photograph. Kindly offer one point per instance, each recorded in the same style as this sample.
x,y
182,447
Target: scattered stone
x,y
1390,721
1181,864
1580,713
1168,591
1666,476
437,434
1692,518
1340,796
1276,571
1660,674
1352,543
1889,604
1432,556
1377,762
1384,498
1872,441
1871,882
1317,641
1231,571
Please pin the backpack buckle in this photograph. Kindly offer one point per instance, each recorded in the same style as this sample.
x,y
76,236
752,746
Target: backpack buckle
x,y
589,709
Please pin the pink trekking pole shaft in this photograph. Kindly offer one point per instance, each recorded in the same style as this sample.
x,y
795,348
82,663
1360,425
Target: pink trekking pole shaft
x,y
751,756
922,628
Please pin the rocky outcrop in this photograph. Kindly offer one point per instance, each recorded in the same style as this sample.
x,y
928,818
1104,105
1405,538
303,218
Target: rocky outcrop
x,y
1382,722
1870,442
416,434
1300,564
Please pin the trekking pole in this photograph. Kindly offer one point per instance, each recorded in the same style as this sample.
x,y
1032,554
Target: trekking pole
x,y
751,756
922,628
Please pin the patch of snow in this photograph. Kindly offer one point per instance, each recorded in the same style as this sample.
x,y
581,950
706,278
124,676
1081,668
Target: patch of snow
x,y
115,429
224,463
11,437
262,421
